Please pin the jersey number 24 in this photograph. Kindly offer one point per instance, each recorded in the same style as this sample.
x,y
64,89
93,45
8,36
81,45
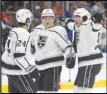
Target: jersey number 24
x,y
21,43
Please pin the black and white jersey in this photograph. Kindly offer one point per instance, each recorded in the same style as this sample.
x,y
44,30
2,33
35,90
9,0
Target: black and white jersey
x,y
16,58
52,46
86,43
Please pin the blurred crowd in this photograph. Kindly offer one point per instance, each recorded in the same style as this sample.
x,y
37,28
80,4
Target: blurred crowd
x,y
60,8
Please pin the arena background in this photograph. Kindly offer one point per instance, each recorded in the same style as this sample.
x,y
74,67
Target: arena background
x,y
62,9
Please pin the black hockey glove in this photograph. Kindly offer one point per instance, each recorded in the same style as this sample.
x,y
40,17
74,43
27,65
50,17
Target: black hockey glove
x,y
35,74
70,61
33,49
97,18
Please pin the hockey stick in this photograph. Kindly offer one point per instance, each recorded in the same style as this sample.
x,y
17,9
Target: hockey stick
x,y
69,80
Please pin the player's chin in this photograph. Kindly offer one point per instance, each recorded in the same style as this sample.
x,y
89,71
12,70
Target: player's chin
x,y
77,24
48,26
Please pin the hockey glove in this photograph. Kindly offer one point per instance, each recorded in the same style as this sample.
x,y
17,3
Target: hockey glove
x,y
97,18
35,74
70,61
33,49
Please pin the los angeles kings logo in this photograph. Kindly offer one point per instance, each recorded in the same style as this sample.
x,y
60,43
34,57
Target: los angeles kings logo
x,y
42,41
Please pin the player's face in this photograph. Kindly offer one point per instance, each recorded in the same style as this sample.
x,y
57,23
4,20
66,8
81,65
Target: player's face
x,y
77,20
48,21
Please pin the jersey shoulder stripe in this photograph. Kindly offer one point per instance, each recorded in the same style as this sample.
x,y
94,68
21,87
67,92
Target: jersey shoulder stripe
x,y
59,35
14,33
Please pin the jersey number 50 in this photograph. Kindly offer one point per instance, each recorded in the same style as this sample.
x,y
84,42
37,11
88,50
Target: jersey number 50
x,y
21,43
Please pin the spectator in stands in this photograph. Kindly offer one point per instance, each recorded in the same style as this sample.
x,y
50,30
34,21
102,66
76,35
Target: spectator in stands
x,y
57,8
6,18
10,9
105,15
72,8
91,3
83,4
37,16
98,7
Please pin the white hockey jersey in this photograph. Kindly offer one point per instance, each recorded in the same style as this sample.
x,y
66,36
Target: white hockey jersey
x,y
52,46
86,40
102,37
17,58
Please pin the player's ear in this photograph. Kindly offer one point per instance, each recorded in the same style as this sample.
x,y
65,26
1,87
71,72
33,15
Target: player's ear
x,y
27,20
54,20
84,18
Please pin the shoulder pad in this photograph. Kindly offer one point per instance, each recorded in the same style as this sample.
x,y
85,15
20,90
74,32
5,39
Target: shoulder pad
x,y
14,29
39,27
59,29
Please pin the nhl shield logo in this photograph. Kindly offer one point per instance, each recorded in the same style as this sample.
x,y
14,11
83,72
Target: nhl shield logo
x,y
42,41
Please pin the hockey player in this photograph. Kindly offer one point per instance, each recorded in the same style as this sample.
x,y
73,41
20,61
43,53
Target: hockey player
x,y
18,62
86,29
52,51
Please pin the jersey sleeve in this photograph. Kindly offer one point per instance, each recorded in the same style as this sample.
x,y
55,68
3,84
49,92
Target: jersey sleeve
x,y
71,27
102,37
62,40
11,42
8,55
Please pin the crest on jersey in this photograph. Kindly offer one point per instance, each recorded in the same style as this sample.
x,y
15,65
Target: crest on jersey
x,y
42,41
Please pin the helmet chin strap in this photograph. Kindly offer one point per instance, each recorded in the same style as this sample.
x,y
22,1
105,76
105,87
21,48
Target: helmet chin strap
x,y
28,25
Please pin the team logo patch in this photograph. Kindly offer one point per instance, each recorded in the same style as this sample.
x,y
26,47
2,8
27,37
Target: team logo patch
x,y
42,41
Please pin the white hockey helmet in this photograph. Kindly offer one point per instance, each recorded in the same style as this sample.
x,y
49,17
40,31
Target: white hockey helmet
x,y
48,12
24,16
83,13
